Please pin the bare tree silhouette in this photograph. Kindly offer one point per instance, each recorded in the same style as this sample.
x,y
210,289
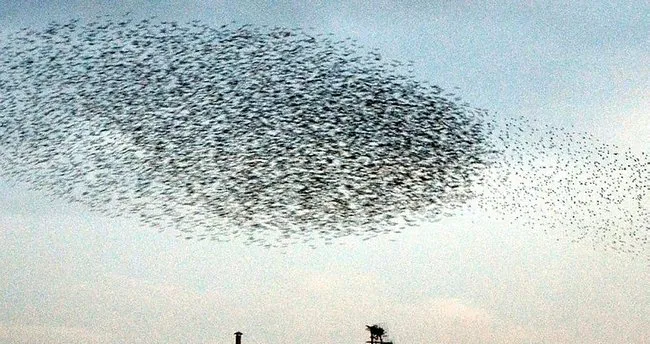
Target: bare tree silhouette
x,y
377,334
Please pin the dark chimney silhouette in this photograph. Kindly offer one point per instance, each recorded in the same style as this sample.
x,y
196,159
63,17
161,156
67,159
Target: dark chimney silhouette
x,y
238,337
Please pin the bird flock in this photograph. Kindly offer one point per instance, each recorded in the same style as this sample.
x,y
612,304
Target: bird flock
x,y
278,135
570,185
219,132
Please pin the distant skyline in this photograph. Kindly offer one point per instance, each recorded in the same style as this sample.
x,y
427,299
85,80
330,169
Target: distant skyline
x,y
71,275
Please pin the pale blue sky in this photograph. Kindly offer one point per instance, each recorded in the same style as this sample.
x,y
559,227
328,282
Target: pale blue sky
x,y
70,275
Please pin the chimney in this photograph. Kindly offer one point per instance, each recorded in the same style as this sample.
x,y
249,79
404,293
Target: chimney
x,y
238,337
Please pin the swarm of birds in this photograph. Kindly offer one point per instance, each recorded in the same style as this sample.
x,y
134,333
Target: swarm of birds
x,y
279,135
570,185
270,133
